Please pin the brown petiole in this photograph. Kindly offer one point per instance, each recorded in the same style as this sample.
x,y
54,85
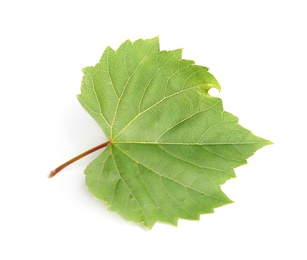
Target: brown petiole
x,y
61,167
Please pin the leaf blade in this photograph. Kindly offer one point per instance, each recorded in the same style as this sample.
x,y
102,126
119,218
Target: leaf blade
x,y
172,145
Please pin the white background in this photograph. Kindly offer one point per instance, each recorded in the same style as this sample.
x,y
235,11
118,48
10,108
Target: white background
x,y
257,51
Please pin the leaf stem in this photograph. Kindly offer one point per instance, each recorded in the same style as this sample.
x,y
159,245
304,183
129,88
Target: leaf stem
x,y
64,165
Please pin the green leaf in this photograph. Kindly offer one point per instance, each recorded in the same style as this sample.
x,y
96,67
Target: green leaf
x,y
171,144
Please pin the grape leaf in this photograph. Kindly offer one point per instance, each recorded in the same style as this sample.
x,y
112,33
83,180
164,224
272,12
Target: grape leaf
x,y
171,144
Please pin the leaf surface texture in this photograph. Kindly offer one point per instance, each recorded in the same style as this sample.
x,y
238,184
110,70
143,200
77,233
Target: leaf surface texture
x,y
171,144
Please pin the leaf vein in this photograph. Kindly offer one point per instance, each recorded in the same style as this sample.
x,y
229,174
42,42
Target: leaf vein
x,y
127,83
194,164
157,103
152,198
109,74
128,188
179,183
182,121
159,68
94,112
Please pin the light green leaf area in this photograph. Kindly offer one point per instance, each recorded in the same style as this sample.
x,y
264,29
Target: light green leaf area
x,y
171,144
